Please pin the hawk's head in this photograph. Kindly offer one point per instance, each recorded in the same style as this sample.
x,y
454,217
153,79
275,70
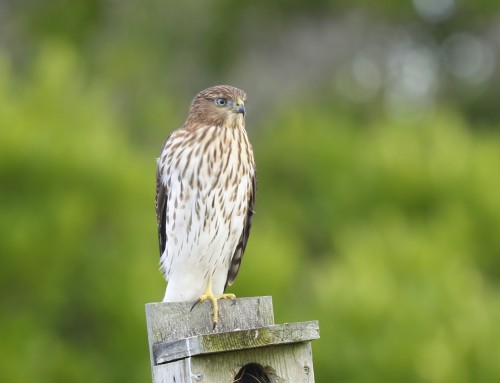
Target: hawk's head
x,y
220,105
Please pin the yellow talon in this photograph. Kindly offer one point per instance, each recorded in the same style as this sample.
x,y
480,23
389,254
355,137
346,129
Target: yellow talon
x,y
209,296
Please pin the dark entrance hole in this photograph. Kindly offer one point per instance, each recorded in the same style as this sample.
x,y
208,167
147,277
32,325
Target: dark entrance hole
x,y
252,373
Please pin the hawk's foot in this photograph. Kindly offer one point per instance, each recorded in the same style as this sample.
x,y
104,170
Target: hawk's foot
x,y
209,296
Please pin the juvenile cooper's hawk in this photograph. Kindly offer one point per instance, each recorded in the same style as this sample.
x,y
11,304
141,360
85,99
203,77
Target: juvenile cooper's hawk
x,y
205,192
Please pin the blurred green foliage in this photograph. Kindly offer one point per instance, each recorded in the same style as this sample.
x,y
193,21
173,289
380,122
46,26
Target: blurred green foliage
x,y
74,206
385,230
398,230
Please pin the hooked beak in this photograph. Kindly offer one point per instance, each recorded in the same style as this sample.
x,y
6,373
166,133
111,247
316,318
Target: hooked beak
x,y
239,106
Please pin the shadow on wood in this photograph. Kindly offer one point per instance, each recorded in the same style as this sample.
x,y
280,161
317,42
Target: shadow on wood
x,y
245,345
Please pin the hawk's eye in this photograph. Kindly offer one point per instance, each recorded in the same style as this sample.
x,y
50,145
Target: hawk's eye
x,y
220,101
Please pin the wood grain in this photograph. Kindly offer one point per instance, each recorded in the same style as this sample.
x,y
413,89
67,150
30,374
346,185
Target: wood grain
x,y
235,340
185,348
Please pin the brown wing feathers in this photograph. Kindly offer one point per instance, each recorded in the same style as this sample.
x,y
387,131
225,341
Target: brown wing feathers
x,y
242,243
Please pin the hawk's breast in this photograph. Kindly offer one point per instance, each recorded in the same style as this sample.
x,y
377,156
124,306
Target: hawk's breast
x,y
208,177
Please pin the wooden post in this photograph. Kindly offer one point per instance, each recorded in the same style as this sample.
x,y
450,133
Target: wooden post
x,y
245,345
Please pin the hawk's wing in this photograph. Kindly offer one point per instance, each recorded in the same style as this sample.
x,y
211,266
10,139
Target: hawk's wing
x,y
242,243
161,203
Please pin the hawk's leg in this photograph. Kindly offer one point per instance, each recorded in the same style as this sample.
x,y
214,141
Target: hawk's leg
x,y
209,296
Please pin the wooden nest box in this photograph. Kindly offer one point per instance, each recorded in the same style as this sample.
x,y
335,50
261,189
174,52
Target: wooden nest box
x,y
246,345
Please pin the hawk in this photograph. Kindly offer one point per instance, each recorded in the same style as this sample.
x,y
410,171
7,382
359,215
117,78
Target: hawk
x,y
205,193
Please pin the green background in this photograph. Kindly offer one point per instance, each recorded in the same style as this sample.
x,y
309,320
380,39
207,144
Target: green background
x,y
377,141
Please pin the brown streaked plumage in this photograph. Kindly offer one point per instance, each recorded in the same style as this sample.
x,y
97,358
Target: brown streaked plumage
x,y
205,193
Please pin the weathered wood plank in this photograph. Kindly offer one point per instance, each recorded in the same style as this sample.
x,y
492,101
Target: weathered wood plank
x,y
290,363
175,320
173,372
172,321
235,340
190,350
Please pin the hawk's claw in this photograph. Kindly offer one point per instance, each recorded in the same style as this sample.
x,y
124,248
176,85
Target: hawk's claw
x,y
195,303
208,295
